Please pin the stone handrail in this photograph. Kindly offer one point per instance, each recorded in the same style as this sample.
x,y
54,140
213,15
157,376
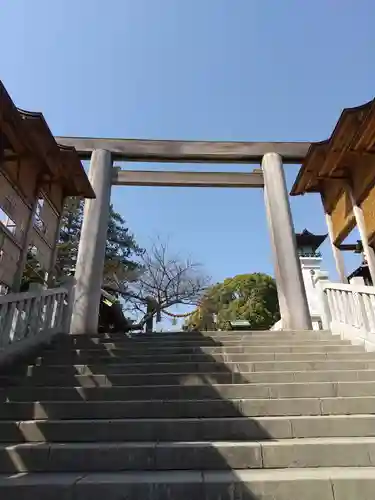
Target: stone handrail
x,y
349,310
32,318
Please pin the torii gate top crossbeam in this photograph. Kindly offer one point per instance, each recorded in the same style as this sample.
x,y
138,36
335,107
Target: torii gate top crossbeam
x,y
187,151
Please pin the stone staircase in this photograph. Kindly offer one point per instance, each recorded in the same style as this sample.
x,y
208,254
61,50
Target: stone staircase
x,y
221,416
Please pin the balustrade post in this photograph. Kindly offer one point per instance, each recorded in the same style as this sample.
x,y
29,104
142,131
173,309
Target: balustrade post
x,y
8,322
369,312
320,279
363,313
69,283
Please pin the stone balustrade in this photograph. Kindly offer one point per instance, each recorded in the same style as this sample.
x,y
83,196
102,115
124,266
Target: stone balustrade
x,y
32,318
349,310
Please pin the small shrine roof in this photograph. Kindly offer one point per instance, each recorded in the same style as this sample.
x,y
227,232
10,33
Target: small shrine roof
x,y
309,239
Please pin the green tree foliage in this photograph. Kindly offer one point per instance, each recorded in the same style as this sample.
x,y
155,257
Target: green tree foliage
x,y
70,232
121,247
251,297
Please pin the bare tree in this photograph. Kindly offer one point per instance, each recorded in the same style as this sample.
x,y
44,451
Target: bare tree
x,y
165,280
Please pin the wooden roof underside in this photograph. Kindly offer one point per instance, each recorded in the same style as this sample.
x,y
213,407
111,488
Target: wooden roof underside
x,y
30,137
348,153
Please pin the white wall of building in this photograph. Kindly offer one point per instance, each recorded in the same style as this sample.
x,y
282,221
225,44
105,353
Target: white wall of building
x,y
310,266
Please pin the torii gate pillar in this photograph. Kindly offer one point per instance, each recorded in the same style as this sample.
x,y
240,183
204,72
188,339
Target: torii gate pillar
x,y
91,251
291,291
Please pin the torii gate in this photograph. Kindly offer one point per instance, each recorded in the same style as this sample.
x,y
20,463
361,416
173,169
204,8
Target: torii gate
x,y
290,287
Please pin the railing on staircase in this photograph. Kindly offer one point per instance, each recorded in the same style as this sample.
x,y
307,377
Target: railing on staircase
x,y
31,318
349,310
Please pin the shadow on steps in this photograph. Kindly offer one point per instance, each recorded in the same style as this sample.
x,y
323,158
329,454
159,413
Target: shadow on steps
x,y
90,411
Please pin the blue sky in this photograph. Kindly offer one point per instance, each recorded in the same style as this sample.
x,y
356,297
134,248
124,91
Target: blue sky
x,y
256,70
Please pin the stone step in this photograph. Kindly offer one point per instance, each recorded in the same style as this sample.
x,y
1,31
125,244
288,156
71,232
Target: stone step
x,y
112,350
186,408
186,392
199,339
269,354
97,380
152,417
69,344
165,336
211,333
212,455
223,336
187,429
71,340
311,335
201,368
148,360
337,483
220,334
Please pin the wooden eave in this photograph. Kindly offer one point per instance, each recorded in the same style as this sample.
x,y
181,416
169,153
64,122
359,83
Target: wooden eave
x,y
351,146
12,125
75,171
63,163
30,136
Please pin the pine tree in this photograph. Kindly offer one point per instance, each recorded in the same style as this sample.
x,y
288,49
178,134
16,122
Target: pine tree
x,y
70,233
121,247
